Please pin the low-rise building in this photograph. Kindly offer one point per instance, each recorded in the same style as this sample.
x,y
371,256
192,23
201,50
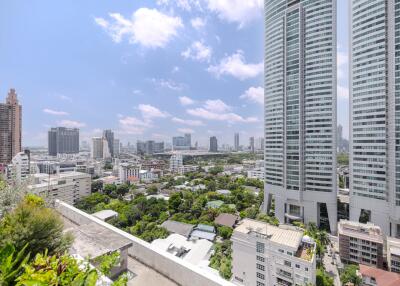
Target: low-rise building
x,y
267,255
361,243
393,254
256,173
19,169
129,173
372,276
68,187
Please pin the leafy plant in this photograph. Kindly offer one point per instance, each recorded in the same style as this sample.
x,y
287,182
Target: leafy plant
x,y
11,264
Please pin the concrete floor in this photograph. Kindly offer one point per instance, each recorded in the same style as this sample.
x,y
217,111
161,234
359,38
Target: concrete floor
x,y
144,275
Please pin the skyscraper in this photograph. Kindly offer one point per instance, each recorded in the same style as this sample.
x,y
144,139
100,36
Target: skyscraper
x,y
374,106
10,127
97,147
109,136
62,140
188,140
251,142
236,142
300,110
213,144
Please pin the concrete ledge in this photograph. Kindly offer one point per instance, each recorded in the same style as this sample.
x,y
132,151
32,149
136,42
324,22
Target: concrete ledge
x,y
172,267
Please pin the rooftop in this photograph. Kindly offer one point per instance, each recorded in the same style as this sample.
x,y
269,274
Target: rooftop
x,y
105,214
287,236
367,231
178,227
382,277
226,219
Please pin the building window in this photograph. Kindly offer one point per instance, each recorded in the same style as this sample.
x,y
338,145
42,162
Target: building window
x,y
281,250
289,253
260,267
260,258
260,283
306,268
288,263
260,275
260,247
297,266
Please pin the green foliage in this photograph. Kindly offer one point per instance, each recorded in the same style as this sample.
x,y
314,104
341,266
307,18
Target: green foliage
x,y
108,166
250,212
323,279
268,219
110,190
89,203
225,232
148,231
320,236
32,222
216,170
221,260
174,202
152,190
122,189
96,186
350,275
343,159
11,264
106,262
61,270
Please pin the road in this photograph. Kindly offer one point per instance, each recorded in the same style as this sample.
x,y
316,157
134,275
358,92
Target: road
x,y
330,267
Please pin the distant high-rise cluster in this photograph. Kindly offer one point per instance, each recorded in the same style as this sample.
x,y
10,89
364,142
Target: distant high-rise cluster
x,y
105,147
63,140
236,142
149,147
10,127
182,142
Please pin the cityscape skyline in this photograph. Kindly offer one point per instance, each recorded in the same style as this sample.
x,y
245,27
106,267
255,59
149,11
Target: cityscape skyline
x,y
130,88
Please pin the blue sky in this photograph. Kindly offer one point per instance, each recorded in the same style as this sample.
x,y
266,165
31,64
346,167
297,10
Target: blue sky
x,y
147,69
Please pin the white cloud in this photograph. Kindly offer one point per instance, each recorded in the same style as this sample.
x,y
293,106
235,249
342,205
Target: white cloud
x,y
148,111
219,111
239,11
132,125
342,92
65,98
147,27
167,83
236,66
198,51
184,100
175,69
185,130
187,122
137,91
198,23
186,5
55,112
254,94
71,124
216,105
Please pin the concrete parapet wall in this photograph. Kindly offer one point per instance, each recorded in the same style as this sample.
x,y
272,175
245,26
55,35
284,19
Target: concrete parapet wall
x,y
172,267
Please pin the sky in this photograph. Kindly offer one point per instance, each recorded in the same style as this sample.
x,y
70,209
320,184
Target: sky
x,y
146,69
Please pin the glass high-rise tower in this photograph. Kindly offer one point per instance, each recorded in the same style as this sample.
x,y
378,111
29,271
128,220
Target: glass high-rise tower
x,y
375,113
300,110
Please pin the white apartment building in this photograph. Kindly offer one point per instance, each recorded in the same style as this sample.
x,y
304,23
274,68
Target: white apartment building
x,y
68,187
128,172
393,254
267,255
256,173
19,169
176,163
300,110
374,113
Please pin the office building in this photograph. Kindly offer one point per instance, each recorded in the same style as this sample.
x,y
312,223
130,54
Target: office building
x,y
68,187
267,255
62,140
251,145
213,144
116,148
10,127
300,111
374,104
236,142
128,173
181,142
259,144
361,243
109,136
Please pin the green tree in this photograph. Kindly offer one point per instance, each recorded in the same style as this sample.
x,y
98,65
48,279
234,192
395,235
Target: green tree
x,y
109,189
152,190
96,186
174,202
323,279
216,170
225,232
350,275
31,222
90,202
122,189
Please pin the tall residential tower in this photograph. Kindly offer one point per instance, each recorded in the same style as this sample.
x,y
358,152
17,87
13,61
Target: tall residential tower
x,y
375,113
10,127
300,110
